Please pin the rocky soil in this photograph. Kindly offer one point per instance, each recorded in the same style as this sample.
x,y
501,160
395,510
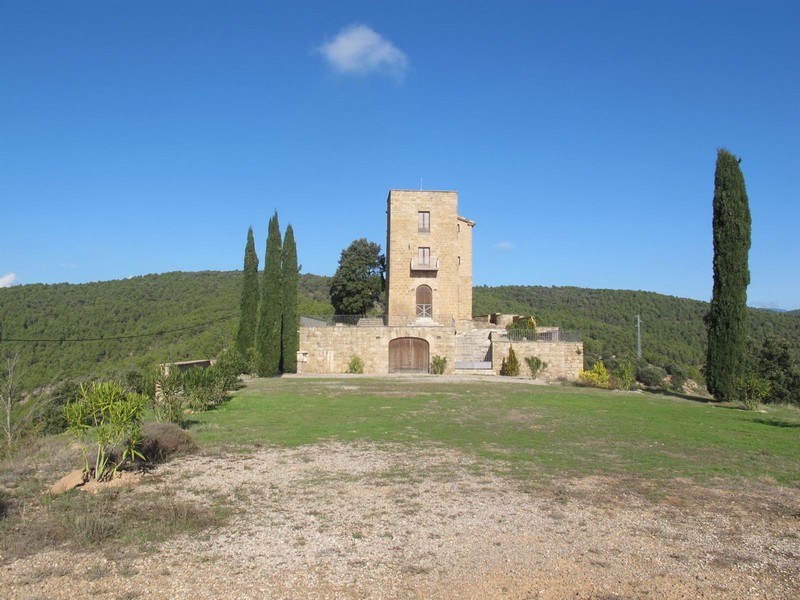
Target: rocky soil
x,y
346,521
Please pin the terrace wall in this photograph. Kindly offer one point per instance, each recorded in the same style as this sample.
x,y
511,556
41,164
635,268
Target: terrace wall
x,y
329,349
564,359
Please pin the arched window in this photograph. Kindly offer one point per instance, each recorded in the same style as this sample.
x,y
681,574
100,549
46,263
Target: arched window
x,y
424,302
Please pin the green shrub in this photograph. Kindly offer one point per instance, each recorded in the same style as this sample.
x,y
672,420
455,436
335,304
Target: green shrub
x,y
106,422
695,374
678,377
52,419
596,377
134,381
535,364
651,376
777,362
203,388
231,364
164,387
356,365
753,390
510,365
622,376
438,365
164,440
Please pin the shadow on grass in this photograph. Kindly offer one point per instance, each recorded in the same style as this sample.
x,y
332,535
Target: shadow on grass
x,y
698,399
776,423
228,397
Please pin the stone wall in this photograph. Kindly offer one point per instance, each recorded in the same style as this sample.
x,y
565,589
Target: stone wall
x,y
328,349
464,259
564,359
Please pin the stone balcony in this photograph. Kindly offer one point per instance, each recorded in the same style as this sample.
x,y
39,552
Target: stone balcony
x,y
433,265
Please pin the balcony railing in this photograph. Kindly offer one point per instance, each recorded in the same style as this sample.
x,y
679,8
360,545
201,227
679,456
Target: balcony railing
x,y
378,320
433,265
343,320
550,335
425,319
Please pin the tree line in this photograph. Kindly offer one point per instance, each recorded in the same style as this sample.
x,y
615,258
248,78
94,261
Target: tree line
x,y
673,330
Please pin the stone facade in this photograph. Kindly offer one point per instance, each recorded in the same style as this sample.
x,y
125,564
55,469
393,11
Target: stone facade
x,y
429,305
564,359
329,349
427,246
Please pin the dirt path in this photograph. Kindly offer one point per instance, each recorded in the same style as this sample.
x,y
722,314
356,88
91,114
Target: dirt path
x,y
344,521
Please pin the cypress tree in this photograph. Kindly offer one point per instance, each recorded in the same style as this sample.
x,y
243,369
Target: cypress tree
x,y
727,317
248,317
290,337
268,336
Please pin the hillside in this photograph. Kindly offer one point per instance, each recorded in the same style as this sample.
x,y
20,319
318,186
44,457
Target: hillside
x,y
108,328
672,328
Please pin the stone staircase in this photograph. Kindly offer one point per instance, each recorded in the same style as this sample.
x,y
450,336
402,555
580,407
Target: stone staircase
x,y
474,350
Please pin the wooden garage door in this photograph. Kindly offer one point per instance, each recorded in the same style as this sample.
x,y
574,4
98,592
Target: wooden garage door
x,y
408,355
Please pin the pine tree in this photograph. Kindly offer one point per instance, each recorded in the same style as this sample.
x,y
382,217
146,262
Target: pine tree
x,y
290,337
727,317
248,317
268,335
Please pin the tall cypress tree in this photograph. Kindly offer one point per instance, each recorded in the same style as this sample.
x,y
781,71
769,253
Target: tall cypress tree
x,y
268,336
290,337
727,318
248,317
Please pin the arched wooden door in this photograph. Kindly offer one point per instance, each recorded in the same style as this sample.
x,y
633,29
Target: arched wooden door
x,y
411,355
424,301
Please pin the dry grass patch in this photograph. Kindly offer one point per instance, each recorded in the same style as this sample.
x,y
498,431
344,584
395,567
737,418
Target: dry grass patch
x,y
117,519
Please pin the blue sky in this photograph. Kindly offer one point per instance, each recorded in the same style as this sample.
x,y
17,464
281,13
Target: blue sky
x,y
145,137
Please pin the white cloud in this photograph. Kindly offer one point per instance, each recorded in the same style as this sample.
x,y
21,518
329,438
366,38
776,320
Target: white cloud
x,y
7,280
504,246
358,50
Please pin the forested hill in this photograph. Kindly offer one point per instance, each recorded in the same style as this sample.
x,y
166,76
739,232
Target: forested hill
x,y
108,328
672,328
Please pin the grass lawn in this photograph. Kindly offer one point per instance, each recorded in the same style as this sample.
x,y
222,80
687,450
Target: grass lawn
x,y
526,431
537,442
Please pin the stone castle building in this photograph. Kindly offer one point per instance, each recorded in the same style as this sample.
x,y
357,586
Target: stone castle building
x,y
429,307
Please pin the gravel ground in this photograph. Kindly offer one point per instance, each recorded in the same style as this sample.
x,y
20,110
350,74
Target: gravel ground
x,y
362,521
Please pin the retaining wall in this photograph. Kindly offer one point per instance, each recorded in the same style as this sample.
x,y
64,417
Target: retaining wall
x,y
328,349
564,359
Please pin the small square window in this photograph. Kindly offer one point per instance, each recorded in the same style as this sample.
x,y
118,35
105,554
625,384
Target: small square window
x,y
424,220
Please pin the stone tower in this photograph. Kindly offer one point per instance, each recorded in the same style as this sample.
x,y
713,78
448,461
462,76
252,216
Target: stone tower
x,y
428,259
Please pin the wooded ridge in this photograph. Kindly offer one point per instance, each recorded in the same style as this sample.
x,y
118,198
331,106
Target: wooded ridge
x,y
105,329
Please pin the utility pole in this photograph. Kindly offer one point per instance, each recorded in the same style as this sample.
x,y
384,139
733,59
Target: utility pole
x,y
638,337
